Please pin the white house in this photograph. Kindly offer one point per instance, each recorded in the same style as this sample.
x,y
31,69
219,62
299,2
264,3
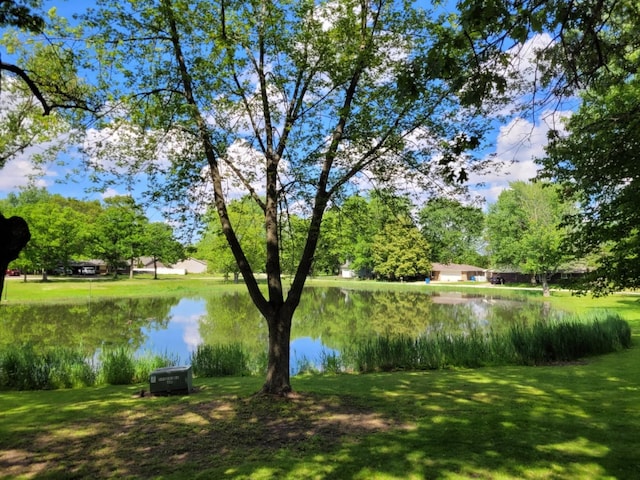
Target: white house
x,y
346,271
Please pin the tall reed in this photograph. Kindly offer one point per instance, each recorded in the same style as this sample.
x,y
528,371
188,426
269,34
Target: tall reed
x,y
117,366
149,361
25,368
542,342
220,360
570,340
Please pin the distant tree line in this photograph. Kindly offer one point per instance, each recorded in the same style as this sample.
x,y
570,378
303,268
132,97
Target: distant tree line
x,y
381,235
64,230
386,236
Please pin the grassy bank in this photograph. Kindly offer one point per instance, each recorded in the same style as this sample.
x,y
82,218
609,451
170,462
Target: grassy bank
x,y
560,422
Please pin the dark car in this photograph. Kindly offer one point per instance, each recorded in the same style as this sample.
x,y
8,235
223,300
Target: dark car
x,y
497,280
13,272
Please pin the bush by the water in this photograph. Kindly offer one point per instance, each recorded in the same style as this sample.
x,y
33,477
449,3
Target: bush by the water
x,y
540,343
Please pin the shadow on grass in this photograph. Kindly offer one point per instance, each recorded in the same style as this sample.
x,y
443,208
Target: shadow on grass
x,y
562,422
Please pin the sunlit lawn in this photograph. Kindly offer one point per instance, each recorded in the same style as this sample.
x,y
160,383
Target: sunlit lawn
x,y
577,421
565,422
62,289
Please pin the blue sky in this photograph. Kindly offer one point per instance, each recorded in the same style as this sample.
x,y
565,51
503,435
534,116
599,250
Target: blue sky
x,y
516,144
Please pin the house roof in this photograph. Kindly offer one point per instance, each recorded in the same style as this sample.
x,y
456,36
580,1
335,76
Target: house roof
x,y
148,262
455,267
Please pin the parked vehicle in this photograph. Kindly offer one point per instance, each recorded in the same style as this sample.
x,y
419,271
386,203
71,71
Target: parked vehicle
x,y
497,280
12,272
62,271
88,270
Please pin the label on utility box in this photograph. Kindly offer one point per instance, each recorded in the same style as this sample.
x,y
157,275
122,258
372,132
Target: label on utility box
x,y
170,379
167,379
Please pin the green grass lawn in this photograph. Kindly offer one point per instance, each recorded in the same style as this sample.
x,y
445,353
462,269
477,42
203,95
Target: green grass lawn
x,y
569,421
62,289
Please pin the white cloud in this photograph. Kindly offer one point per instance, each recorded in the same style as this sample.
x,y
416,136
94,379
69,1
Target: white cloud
x,y
110,192
524,62
190,330
20,172
518,144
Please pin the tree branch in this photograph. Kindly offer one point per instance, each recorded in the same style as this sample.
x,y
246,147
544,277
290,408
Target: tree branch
x,y
30,83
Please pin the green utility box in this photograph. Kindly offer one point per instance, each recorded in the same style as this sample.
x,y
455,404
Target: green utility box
x,y
171,380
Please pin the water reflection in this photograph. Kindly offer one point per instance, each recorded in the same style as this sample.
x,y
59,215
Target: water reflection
x,y
180,336
89,325
328,320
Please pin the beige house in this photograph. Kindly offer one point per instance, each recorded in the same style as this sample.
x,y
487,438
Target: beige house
x,y
455,272
183,267
191,265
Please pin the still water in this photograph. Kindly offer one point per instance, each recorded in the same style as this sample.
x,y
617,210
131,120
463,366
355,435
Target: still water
x,y
327,321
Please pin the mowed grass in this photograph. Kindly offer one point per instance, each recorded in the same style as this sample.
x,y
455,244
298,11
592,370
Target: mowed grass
x,y
562,422
62,289
567,421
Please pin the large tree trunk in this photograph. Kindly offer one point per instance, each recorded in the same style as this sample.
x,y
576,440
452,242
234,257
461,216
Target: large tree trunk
x,y
278,381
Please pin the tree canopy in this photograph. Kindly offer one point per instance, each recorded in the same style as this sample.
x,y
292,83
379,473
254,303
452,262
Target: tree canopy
x,y
593,155
597,162
289,102
66,230
453,231
213,246
525,230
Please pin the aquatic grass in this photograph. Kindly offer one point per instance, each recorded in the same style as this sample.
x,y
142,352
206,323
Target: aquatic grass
x,y
570,340
149,361
117,366
257,363
304,366
536,344
25,368
331,362
220,360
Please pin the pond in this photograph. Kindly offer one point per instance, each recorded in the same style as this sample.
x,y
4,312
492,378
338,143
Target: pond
x,y
327,321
